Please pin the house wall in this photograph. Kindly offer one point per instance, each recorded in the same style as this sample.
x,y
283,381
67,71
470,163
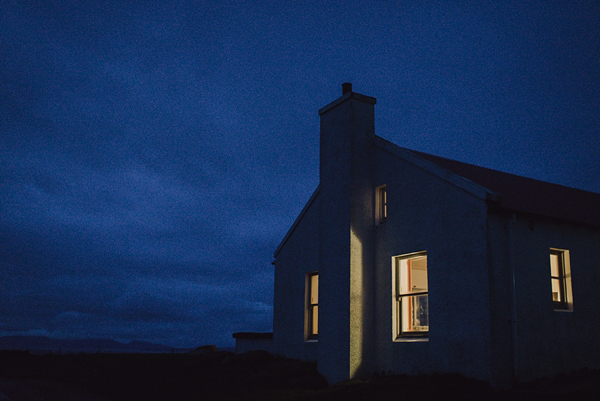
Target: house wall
x,y
500,237
491,315
296,258
427,213
550,341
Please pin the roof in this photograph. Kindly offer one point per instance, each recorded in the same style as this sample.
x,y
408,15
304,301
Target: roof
x,y
511,192
526,195
252,335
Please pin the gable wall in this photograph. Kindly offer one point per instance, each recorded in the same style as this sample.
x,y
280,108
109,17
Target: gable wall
x,y
426,213
297,257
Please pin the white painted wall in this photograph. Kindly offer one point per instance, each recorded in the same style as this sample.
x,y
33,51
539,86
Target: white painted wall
x,y
427,213
470,252
552,341
298,256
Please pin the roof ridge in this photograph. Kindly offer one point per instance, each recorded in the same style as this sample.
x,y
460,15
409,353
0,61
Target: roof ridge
x,y
517,193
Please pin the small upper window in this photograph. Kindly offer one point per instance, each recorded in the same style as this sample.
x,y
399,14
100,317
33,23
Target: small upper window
x,y
560,278
411,296
312,310
381,204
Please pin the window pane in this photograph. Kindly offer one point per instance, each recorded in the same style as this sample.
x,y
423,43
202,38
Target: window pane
x,y
413,275
314,289
556,290
554,265
415,313
384,200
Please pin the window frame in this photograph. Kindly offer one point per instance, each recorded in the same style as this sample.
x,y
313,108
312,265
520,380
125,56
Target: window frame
x,y
398,297
563,277
381,211
312,307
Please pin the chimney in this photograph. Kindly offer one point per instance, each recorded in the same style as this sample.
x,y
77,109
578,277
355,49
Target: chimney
x,y
346,221
346,88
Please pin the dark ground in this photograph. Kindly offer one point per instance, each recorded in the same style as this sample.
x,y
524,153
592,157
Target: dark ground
x,y
220,375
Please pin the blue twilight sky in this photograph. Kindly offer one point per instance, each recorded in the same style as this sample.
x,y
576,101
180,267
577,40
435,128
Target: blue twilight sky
x,y
153,154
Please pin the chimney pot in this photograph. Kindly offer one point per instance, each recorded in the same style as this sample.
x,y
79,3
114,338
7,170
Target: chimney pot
x,y
346,87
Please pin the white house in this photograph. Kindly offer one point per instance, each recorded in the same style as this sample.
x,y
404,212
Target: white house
x,y
411,263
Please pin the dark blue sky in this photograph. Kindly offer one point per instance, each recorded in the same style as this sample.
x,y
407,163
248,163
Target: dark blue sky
x,y
153,154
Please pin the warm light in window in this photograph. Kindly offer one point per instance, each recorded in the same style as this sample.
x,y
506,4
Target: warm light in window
x,y
411,295
560,279
313,305
557,278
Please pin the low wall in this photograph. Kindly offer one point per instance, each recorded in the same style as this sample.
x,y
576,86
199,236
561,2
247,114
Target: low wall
x,y
245,342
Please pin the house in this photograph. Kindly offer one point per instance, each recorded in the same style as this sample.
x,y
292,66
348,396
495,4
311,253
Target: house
x,y
406,262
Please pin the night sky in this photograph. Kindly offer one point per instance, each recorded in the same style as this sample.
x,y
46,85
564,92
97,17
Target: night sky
x,y
153,154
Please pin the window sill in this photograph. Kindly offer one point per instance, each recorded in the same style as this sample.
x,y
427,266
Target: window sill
x,y
411,340
311,340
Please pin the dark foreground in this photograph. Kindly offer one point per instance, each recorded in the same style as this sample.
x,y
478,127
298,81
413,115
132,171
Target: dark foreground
x,y
253,376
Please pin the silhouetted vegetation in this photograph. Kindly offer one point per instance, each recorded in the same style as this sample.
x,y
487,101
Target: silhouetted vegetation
x,y
210,374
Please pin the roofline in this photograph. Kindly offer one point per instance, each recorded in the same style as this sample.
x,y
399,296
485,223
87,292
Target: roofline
x,y
455,179
405,154
297,221
252,335
524,215
342,99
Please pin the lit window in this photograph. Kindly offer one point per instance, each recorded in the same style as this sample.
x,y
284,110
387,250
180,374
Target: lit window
x,y
411,304
312,310
381,204
560,277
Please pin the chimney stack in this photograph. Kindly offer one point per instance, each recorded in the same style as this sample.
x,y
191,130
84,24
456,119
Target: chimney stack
x,y
346,88
347,269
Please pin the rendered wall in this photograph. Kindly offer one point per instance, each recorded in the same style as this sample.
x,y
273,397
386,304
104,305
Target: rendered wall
x,y
550,341
427,213
499,238
298,257
475,328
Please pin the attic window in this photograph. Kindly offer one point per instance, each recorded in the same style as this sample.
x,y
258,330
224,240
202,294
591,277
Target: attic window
x,y
560,278
380,204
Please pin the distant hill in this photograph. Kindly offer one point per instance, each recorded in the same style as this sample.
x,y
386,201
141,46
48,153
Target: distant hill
x,y
46,344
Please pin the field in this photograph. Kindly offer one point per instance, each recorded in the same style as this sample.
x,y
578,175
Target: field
x,y
253,376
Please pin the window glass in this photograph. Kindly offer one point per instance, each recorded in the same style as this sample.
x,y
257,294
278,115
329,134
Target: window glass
x,y
411,296
312,310
381,204
314,289
413,275
560,279
556,291
415,314
554,265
